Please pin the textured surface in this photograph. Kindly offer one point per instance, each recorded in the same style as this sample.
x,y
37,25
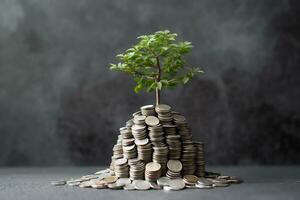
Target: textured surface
x,y
274,183
59,103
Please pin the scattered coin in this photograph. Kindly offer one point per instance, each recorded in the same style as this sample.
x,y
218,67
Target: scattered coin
x,y
115,186
142,185
155,186
123,181
129,187
177,184
110,179
163,181
58,183
190,179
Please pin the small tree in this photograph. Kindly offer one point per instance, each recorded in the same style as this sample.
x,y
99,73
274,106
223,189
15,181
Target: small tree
x,y
156,62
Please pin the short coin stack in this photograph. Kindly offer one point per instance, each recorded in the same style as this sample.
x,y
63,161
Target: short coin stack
x,y
148,110
164,114
121,168
174,169
188,158
152,171
190,180
137,169
199,159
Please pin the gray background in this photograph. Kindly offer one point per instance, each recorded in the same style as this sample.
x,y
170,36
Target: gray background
x,y
60,105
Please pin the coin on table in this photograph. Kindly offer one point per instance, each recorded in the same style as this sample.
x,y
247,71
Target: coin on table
x,y
176,184
142,185
155,186
163,181
85,184
190,179
58,183
129,186
204,181
123,181
141,142
174,165
115,186
152,121
201,186
110,179
217,184
104,171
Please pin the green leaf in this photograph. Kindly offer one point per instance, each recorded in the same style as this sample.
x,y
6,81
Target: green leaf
x,y
159,85
138,88
185,79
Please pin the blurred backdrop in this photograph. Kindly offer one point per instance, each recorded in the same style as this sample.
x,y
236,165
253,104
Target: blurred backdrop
x,y
60,104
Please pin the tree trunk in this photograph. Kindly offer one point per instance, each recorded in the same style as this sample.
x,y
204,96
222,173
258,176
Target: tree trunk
x,y
157,96
157,91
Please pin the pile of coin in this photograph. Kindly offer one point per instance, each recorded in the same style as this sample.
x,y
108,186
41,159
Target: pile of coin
x,y
188,158
182,127
152,171
103,179
121,168
148,110
164,114
199,159
137,169
174,169
160,155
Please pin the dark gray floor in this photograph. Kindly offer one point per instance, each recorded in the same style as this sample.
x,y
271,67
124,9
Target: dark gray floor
x,y
260,183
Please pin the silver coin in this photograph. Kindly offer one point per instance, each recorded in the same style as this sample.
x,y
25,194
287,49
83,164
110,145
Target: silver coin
x,y
123,181
104,171
58,183
129,187
201,186
155,186
142,185
176,184
163,181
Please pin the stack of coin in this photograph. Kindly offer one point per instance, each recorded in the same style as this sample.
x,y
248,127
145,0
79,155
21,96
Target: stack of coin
x,y
145,152
160,155
148,110
182,128
139,131
152,171
129,124
174,169
164,114
156,135
121,168
199,160
126,132
137,169
129,151
190,180
170,129
139,119
117,152
188,158
174,144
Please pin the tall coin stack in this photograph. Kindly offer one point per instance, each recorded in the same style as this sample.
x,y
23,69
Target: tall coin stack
x,y
145,152
164,114
121,168
136,169
182,127
188,158
173,141
199,160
